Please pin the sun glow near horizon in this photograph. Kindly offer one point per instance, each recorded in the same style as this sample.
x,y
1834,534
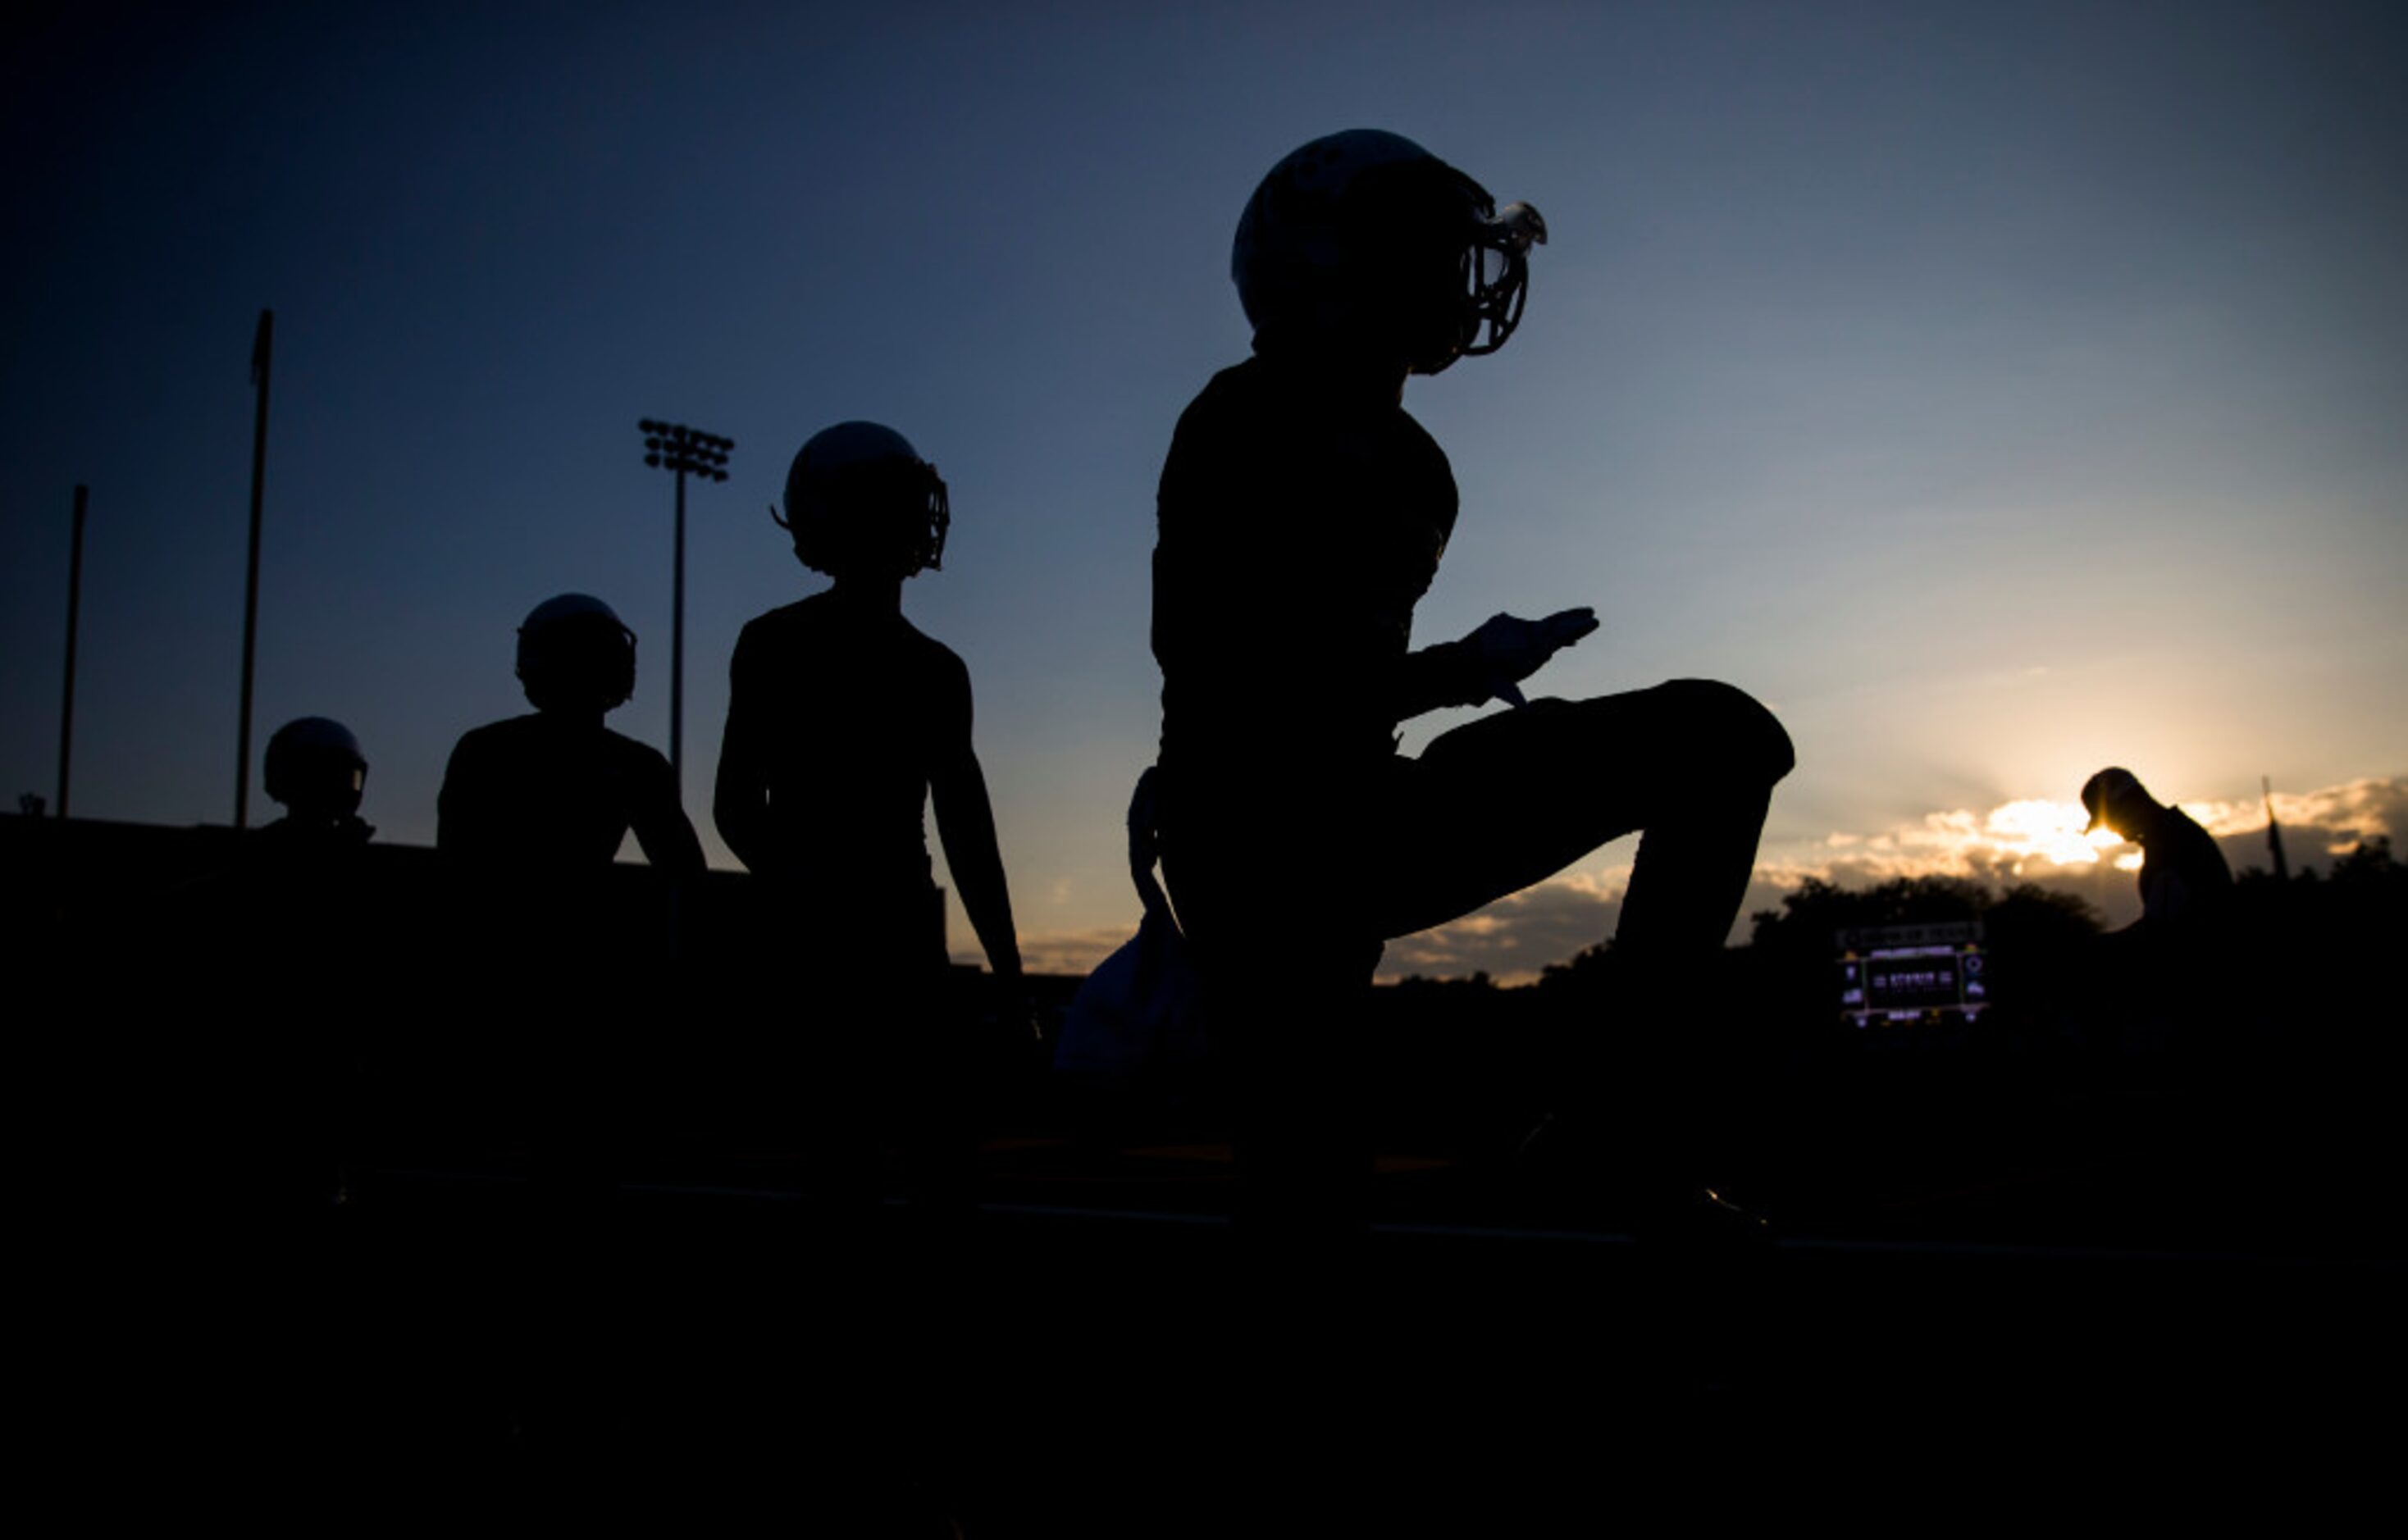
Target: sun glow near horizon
x,y
2009,835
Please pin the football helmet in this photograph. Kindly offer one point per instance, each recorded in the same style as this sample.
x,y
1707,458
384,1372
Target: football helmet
x,y
315,769
859,499
1366,234
576,654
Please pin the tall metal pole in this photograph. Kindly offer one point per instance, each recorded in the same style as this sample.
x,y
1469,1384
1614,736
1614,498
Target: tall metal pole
x,y
75,605
676,654
262,348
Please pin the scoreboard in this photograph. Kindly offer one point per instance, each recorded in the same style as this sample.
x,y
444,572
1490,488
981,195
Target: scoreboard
x,y
1898,975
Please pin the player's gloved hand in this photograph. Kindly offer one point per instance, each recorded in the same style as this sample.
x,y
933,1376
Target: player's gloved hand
x,y
1510,648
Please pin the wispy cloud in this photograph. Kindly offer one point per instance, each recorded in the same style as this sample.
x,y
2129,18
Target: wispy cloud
x,y
1066,952
1515,937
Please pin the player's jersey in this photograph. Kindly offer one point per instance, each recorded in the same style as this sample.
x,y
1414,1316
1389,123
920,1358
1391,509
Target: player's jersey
x,y
844,712
1299,521
543,792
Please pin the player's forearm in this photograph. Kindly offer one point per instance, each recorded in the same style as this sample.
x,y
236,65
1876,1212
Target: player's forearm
x,y
740,812
965,823
986,897
1445,675
991,917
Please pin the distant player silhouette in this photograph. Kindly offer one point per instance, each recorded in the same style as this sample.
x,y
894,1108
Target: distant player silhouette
x,y
2173,980
531,815
258,1104
303,885
556,792
2185,883
1302,514
315,769
844,722
564,961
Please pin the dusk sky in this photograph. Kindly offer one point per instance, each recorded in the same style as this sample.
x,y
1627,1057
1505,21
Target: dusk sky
x,y
1996,391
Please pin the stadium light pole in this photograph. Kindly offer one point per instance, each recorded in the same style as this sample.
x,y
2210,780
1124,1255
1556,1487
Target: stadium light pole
x,y
675,447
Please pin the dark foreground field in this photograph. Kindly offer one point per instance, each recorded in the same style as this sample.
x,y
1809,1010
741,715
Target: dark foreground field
x,y
2138,1291
594,1239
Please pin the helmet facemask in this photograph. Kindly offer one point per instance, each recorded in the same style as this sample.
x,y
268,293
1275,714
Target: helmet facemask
x,y
1497,275
1484,256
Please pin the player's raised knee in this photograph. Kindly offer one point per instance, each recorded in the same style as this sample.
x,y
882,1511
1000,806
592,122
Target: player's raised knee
x,y
1745,739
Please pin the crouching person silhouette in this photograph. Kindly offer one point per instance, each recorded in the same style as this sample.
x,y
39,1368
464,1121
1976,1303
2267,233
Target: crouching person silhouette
x,y
1302,514
844,722
2172,985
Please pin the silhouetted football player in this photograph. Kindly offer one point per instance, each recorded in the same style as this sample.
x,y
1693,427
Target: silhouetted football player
x,y
844,722
302,887
2186,882
561,959
1302,514
2172,982
556,791
314,767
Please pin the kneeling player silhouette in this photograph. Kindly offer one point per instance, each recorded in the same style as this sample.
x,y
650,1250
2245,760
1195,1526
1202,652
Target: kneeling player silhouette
x,y
844,721
1302,514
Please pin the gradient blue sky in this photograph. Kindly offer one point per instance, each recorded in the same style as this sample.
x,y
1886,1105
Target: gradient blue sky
x,y
1999,392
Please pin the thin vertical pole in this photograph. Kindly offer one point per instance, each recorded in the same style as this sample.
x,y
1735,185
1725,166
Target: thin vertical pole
x,y
262,349
676,654
75,605
2275,832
